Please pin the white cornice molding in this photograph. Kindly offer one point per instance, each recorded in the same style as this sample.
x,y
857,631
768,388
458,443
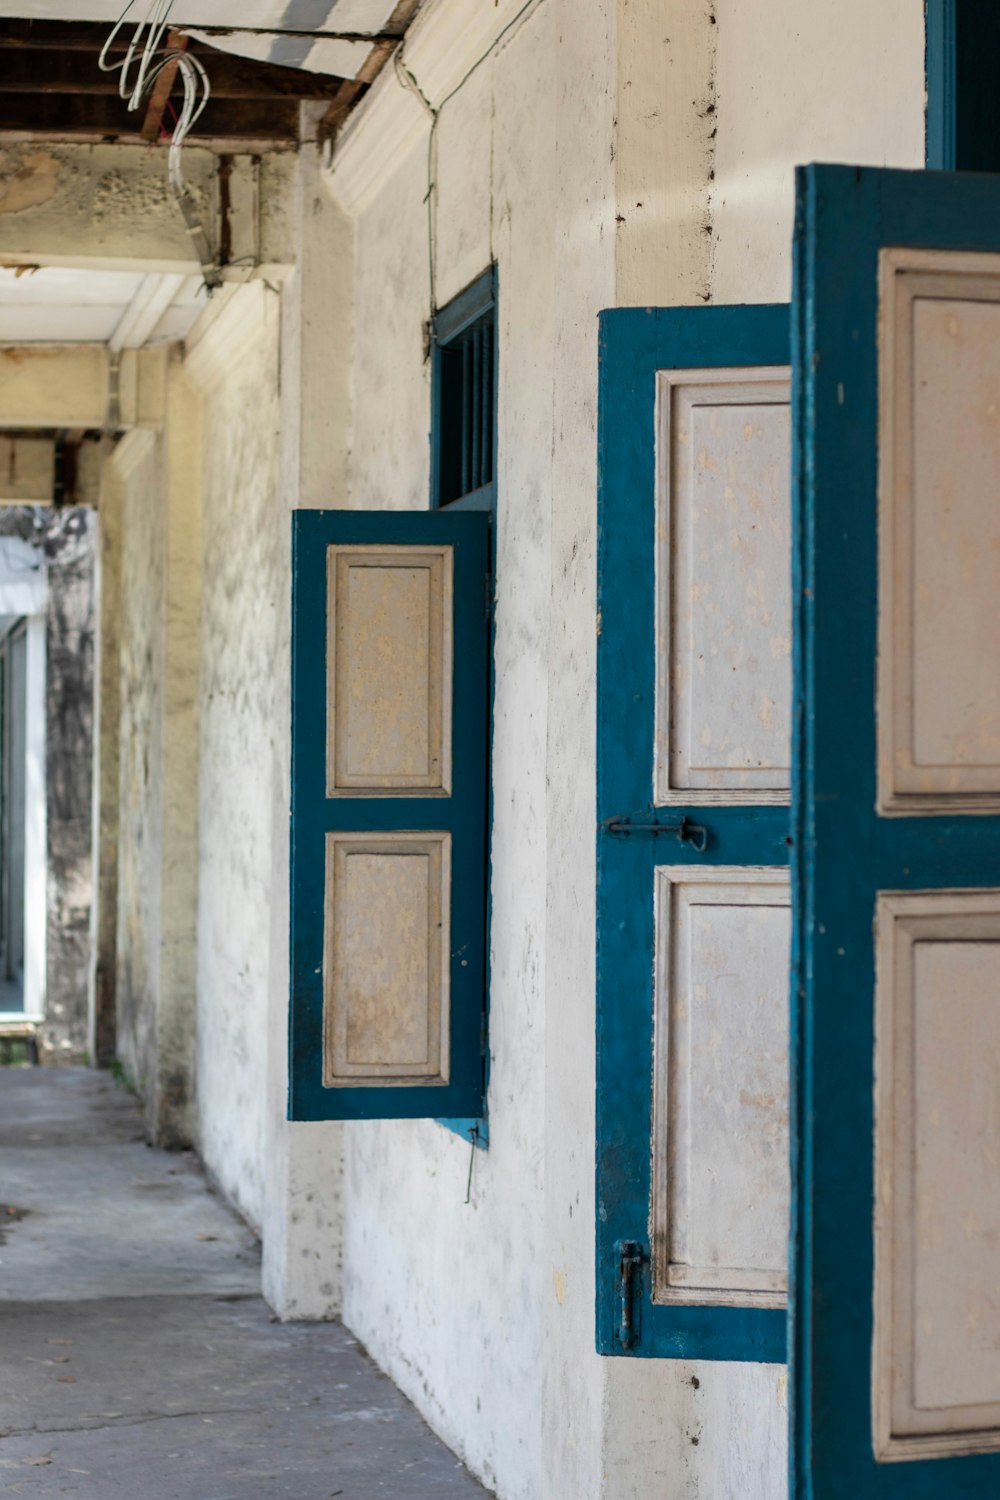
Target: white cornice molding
x,y
235,316
450,36
383,132
447,39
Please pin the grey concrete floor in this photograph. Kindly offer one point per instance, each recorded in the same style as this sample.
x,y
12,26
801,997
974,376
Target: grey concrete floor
x,y
137,1360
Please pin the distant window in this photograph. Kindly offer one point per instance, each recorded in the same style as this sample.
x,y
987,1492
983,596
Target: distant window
x,y
464,397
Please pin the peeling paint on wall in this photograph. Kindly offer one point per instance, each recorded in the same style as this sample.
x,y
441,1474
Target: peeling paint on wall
x,y
28,184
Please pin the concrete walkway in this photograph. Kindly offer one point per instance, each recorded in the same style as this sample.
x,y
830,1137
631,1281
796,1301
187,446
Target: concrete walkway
x,y
136,1357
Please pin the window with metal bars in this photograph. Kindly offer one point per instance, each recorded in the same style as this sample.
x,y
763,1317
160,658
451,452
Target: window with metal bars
x,y
464,395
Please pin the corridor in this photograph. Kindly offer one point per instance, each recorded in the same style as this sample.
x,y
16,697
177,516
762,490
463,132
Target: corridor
x,y
136,1355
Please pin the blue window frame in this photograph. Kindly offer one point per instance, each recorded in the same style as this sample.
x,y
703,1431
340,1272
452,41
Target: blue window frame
x,y
455,815
464,398
963,101
634,345
845,850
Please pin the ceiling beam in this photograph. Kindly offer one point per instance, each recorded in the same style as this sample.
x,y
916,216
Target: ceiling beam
x,y
55,224
137,323
107,118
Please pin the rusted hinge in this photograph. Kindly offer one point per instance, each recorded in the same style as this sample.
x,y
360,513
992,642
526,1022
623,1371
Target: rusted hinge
x,y
630,1257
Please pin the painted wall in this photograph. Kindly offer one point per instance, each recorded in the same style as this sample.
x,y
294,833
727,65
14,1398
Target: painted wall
x,y
795,83
157,500
251,359
472,1356
137,461
245,540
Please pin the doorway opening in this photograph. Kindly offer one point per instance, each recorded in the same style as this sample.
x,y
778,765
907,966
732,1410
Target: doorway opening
x,y
47,614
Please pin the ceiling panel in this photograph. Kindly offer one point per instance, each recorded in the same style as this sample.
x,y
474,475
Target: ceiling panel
x,y
336,55
57,306
270,15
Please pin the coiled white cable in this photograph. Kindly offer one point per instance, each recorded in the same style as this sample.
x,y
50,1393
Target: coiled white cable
x,y
144,61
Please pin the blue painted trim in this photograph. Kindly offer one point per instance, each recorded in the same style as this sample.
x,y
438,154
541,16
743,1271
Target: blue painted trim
x,y
939,23
476,1132
478,297
843,852
634,345
463,813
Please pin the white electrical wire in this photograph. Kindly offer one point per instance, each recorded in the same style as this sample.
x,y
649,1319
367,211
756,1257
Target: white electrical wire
x,y
143,63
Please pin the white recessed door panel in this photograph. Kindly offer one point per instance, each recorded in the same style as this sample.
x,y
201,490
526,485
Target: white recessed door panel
x,y
939,533
386,958
937,1245
389,655
720,1148
723,597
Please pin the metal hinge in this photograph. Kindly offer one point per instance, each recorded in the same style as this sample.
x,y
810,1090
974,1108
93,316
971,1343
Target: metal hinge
x,y
630,1257
685,831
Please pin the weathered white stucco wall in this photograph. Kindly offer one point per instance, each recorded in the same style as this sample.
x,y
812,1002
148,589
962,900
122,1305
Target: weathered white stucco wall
x,y
461,1314
458,1319
251,356
140,752
246,561
159,499
794,83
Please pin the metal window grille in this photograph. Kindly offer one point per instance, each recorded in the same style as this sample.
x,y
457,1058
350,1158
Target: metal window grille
x,y
463,432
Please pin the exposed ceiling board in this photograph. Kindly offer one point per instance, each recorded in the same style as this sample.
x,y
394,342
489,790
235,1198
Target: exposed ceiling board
x,y
268,15
68,287
57,325
52,86
334,56
61,306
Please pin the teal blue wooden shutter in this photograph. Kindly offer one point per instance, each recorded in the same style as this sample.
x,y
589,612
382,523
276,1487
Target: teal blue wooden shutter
x,y
390,734
896,823
682,847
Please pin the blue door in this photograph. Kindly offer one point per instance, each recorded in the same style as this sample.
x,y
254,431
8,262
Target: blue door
x,y
692,832
895,1289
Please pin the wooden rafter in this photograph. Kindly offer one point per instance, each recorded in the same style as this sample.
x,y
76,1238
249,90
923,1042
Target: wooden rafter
x,y
351,89
160,93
